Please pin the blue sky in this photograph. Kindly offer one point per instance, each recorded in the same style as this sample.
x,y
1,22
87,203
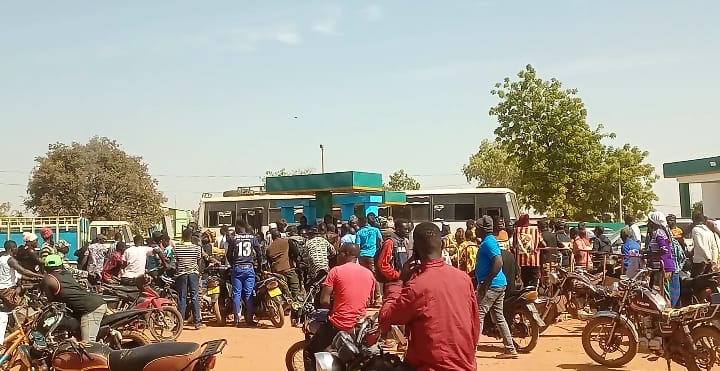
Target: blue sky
x,y
212,88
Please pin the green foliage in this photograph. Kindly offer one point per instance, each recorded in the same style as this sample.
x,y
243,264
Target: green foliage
x,y
698,206
492,167
98,180
285,172
401,181
563,168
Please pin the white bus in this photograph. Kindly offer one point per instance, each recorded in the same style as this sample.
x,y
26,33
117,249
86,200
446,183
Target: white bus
x,y
451,205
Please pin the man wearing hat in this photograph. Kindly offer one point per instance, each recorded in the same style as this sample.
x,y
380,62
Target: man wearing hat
x,y
26,255
48,245
492,282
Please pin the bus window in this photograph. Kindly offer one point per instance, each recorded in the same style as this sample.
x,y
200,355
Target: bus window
x,y
218,218
420,212
274,215
402,212
491,211
464,212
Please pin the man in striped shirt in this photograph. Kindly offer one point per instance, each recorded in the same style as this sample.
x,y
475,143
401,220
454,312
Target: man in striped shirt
x,y
187,260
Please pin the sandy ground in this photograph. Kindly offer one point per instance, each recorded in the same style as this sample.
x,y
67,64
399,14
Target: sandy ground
x,y
264,349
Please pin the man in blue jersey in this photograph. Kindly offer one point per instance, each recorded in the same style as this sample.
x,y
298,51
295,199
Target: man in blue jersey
x,y
242,254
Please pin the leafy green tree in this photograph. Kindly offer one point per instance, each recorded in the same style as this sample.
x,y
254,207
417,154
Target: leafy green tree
x,y
401,181
285,172
563,166
97,179
491,166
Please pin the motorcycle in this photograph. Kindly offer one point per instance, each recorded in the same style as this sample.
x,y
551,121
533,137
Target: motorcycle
x,y
303,312
269,300
45,354
522,318
164,324
642,320
699,289
359,352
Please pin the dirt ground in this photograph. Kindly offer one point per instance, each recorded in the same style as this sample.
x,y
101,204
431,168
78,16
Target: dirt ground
x,y
264,349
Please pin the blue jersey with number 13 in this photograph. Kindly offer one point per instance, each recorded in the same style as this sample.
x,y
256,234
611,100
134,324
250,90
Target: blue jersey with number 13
x,y
242,248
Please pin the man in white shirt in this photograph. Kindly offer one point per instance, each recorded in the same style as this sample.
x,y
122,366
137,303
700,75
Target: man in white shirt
x,y
221,239
135,258
634,228
705,246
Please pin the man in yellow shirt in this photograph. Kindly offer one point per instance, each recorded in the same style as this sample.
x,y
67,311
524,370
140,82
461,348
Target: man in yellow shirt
x,y
467,253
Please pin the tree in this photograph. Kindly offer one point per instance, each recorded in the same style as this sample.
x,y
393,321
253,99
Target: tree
x,y
401,181
492,167
6,210
98,180
563,166
698,206
284,172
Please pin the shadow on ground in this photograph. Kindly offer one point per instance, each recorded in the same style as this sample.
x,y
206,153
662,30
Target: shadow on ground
x,y
586,367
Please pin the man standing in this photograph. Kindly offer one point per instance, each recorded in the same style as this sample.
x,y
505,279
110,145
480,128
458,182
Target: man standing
x,y
349,285
319,251
705,246
9,269
634,228
59,285
221,239
242,254
369,238
26,254
135,261
48,245
437,304
676,231
492,283
278,254
95,256
392,258
187,260
347,233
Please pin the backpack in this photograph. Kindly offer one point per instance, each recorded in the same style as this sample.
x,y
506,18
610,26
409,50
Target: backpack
x,y
398,248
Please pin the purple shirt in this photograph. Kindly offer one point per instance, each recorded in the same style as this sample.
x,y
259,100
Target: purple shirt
x,y
659,241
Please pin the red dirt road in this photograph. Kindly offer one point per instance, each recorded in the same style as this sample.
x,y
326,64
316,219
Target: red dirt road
x,y
264,349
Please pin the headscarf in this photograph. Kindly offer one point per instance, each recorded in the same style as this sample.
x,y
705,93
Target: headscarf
x,y
29,237
523,221
658,218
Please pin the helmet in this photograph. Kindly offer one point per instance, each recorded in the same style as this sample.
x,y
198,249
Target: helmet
x,y
53,260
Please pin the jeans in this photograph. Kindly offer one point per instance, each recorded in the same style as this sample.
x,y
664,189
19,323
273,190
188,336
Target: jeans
x,y
90,323
184,282
319,342
491,302
293,282
243,283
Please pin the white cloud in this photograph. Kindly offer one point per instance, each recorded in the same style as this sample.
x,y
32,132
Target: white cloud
x,y
372,12
328,26
287,37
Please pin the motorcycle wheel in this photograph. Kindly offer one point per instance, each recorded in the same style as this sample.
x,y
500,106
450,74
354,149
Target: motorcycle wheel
x,y
166,324
707,348
134,339
597,331
523,327
294,356
275,312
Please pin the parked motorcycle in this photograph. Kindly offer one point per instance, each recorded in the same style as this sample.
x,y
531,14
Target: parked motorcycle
x,y
67,355
522,318
310,319
164,324
699,289
359,351
269,300
643,321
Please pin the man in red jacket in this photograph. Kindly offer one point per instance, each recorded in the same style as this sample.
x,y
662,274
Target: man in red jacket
x,y
393,257
437,304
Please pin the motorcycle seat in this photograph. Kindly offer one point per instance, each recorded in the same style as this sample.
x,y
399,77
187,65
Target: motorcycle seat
x,y
128,289
681,312
155,357
110,318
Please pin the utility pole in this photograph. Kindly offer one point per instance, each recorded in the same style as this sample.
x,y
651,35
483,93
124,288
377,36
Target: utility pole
x,y
620,195
322,159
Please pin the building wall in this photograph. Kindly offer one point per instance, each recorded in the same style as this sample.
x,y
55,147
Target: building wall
x,y
711,199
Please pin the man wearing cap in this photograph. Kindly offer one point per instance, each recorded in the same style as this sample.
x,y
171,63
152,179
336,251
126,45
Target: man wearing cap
x,y
60,286
27,256
492,283
48,245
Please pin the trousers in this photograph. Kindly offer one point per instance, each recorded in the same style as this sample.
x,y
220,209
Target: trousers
x,y
90,323
243,282
491,302
191,282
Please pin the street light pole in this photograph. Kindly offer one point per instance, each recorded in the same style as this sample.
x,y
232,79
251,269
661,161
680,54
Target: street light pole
x,y
620,196
322,158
